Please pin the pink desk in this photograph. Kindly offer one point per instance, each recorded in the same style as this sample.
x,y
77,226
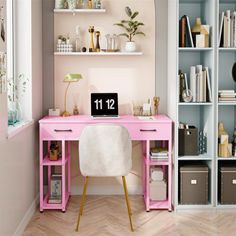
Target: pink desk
x,y
69,129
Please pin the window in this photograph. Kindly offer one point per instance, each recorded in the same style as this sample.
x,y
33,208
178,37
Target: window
x,y
19,62
15,66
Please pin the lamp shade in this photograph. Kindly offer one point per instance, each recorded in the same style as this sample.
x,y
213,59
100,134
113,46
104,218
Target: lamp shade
x,y
72,78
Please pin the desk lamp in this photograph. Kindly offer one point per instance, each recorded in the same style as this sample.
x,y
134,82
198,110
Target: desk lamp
x,y
69,78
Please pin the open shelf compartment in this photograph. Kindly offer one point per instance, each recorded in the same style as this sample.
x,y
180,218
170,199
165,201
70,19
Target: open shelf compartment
x,y
210,165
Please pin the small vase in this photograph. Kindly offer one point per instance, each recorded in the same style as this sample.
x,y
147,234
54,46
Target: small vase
x,y
72,4
196,29
130,47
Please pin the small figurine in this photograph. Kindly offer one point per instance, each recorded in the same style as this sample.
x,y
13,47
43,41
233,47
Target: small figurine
x,y
156,101
91,45
90,4
223,138
98,44
76,111
234,142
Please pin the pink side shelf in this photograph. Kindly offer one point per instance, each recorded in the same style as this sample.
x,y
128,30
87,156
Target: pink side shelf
x,y
158,204
47,162
52,206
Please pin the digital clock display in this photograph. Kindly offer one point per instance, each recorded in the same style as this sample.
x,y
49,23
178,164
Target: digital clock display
x,y
104,104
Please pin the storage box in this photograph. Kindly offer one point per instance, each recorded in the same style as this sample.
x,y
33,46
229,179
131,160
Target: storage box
x,y
194,185
227,184
188,141
158,190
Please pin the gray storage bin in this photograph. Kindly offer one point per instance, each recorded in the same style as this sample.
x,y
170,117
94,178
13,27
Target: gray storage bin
x,y
194,184
188,141
227,185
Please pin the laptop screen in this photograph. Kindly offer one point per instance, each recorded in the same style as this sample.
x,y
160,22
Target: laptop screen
x,y
104,104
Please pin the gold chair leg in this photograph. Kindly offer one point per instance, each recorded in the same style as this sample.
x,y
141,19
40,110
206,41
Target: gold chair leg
x,y
82,203
127,203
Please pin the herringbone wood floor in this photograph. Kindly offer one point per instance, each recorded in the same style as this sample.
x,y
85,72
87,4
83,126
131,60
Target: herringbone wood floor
x,y
108,216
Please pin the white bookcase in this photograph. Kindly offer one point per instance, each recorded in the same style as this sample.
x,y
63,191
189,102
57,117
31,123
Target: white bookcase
x,y
205,116
226,112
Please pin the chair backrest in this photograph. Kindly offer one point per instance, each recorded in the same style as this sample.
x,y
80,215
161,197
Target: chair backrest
x,y
105,150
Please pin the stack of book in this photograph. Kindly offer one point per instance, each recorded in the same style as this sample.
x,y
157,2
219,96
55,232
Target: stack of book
x,y
227,96
159,154
227,34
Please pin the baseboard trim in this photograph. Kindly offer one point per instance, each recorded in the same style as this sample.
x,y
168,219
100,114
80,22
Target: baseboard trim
x,y
106,190
27,217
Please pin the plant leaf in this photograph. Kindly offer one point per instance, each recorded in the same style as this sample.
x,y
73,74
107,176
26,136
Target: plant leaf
x,y
125,21
134,15
120,24
125,35
140,33
128,11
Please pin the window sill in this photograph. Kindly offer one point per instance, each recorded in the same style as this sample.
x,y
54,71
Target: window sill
x,y
19,127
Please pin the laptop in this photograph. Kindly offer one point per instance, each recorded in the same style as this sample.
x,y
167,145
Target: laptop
x,y
104,105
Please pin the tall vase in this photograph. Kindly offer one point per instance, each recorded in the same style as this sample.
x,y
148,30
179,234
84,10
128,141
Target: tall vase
x,y
196,30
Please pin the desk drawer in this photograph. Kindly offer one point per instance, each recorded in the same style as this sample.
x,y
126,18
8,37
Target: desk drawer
x,y
61,131
149,131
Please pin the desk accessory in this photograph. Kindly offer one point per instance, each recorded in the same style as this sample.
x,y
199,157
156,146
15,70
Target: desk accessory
x,y
54,112
98,43
72,4
187,94
91,45
54,152
69,79
156,101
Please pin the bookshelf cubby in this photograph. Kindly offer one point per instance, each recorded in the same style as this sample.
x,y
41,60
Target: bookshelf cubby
x,y
204,116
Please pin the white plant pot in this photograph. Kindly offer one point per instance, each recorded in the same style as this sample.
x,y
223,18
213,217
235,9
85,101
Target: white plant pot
x,y
130,47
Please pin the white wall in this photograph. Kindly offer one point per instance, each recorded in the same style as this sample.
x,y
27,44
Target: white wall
x,y
19,155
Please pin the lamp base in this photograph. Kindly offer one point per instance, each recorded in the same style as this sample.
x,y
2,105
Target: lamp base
x,y
65,114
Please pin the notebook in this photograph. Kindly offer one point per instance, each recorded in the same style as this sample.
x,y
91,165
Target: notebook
x,y
104,105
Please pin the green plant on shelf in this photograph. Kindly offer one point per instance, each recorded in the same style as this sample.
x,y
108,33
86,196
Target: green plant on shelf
x,y
131,25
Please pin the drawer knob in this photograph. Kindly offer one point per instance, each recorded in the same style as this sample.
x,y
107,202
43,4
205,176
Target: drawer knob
x,y
148,130
63,130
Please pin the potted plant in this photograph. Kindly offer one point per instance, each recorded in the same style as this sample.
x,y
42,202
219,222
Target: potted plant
x,y
131,27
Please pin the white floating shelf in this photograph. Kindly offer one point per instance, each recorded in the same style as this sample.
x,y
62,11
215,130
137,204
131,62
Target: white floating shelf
x,y
194,49
79,11
203,157
227,49
195,103
226,103
98,53
226,158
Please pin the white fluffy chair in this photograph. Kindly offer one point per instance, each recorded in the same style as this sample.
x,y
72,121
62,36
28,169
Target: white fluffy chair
x,y
105,151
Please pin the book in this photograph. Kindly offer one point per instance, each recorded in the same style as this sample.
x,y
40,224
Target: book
x,y
227,99
231,30
159,151
226,91
209,94
182,32
189,32
204,85
53,200
234,29
227,29
220,38
193,82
